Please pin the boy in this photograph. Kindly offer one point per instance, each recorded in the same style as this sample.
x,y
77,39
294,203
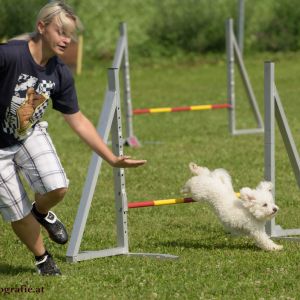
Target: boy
x,y
31,74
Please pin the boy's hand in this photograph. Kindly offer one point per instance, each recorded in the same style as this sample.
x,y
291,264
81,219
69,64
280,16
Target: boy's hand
x,y
126,162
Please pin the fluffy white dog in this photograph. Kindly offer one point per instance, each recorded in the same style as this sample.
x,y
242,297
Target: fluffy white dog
x,y
247,215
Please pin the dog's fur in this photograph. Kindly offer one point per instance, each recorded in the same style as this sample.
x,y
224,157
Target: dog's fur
x,y
247,215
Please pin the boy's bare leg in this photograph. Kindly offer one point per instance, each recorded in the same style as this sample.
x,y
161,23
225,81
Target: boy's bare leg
x,y
29,232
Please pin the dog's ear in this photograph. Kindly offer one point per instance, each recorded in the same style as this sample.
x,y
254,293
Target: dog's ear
x,y
247,195
265,185
194,168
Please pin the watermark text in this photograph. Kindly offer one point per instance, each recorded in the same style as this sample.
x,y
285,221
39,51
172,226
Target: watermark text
x,y
21,289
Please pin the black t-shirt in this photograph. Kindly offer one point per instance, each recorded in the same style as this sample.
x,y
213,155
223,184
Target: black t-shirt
x,y
21,81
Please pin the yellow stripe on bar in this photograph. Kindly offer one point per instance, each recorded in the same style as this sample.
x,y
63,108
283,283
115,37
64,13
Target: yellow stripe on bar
x,y
201,107
168,201
159,110
175,201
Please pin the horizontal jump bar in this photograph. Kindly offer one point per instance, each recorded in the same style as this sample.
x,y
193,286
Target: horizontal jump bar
x,y
159,202
162,202
180,108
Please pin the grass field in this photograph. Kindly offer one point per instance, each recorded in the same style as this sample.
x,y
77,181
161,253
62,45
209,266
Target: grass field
x,y
211,264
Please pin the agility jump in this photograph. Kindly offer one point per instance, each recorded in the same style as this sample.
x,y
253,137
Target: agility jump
x,y
110,120
121,61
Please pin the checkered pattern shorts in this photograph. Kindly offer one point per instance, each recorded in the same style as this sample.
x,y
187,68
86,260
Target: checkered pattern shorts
x,y
36,159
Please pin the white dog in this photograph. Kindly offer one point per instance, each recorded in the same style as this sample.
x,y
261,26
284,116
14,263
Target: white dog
x,y
247,215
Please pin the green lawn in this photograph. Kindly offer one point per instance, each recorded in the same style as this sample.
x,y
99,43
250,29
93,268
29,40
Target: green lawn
x,y
211,264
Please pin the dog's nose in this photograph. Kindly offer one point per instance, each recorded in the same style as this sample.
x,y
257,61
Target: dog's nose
x,y
275,209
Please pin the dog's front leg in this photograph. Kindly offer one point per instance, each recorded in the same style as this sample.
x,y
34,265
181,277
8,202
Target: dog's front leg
x,y
264,242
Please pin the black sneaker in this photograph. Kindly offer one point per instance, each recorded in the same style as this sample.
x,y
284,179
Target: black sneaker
x,y
55,228
46,266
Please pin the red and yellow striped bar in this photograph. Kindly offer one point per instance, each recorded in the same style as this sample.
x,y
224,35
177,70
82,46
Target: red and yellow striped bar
x,y
159,202
180,108
163,202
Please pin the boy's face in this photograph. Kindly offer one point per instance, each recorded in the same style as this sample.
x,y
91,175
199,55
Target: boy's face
x,y
56,37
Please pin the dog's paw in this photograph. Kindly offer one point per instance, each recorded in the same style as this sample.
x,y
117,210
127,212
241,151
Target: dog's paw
x,y
194,168
272,247
198,170
277,247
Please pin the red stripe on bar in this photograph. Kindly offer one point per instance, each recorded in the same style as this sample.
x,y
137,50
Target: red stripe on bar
x,y
188,200
181,108
217,106
140,204
141,111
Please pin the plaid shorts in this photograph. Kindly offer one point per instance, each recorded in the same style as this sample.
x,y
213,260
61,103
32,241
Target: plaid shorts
x,y
36,159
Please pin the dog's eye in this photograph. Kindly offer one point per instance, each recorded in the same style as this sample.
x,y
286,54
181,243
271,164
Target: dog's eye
x,y
265,205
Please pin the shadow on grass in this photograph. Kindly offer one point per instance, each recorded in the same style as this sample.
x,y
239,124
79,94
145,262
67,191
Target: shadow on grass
x,y
216,239
213,238
209,244
6,269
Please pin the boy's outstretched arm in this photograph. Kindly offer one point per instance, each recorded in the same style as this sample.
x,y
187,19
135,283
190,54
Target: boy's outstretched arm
x,y
88,133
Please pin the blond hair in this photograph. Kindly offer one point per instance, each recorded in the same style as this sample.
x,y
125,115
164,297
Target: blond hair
x,y
64,15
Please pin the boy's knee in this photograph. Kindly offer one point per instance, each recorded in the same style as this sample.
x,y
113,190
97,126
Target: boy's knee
x,y
59,193
55,195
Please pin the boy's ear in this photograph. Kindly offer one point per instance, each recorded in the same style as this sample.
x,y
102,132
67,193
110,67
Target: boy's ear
x,y
40,27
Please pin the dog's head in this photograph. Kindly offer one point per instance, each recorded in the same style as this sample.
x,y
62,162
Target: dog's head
x,y
259,201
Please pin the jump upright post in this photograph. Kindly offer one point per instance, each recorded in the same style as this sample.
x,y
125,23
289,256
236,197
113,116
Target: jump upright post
x,y
109,121
233,51
274,110
121,61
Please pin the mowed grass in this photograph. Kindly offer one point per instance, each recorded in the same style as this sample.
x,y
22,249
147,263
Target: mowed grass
x,y
211,264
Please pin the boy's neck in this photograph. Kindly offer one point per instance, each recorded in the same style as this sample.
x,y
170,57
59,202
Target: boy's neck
x,y
38,51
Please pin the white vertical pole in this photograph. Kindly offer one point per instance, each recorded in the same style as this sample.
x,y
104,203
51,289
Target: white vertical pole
x,y
230,75
119,174
127,90
241,17
269,95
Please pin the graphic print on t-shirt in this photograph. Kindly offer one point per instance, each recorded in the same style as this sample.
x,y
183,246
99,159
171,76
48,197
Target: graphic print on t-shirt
x,y
28,105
